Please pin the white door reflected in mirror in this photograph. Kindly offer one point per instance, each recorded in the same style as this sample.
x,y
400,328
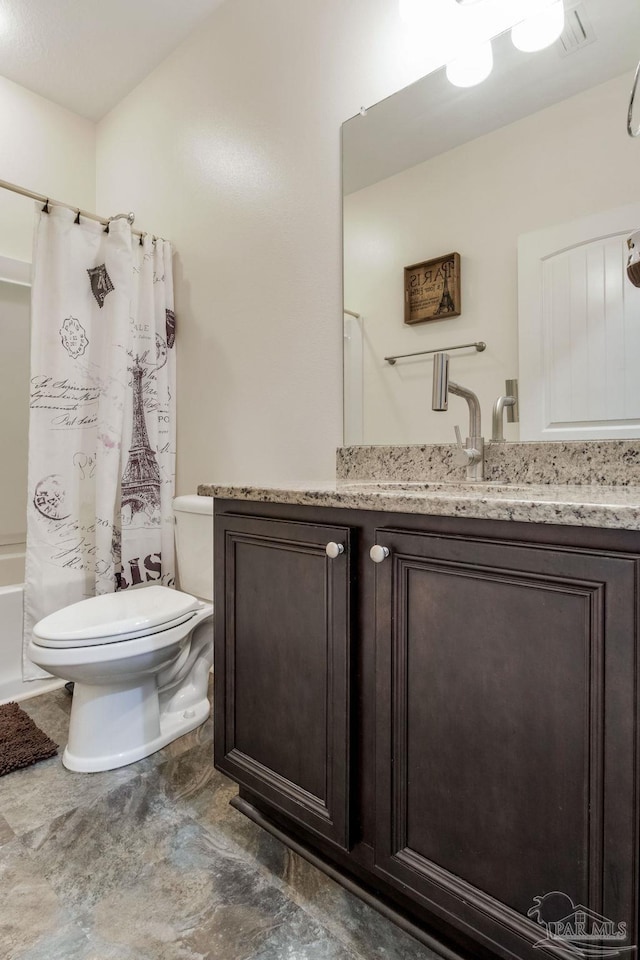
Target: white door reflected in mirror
x,y
579,320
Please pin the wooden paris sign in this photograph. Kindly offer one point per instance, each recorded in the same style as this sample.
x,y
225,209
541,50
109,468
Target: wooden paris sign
x,y
432,289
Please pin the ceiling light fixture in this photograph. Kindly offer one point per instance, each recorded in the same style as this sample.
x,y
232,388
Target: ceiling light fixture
x,y
540,30
472,67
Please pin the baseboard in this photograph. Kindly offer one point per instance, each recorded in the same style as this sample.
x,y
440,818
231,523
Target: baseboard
x,y
347,881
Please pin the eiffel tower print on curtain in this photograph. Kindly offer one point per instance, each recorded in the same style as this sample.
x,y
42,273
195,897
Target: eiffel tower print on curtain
x,y
141,477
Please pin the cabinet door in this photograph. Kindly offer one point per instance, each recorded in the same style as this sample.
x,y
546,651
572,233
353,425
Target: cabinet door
x,y
506,681
282,667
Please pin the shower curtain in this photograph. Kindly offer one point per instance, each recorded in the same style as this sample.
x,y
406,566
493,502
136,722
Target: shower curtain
x,y
102,414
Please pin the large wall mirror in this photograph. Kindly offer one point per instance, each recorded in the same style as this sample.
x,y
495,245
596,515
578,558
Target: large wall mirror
x,y
532,179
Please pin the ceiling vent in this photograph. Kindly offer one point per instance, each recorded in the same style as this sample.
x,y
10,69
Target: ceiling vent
x,y
577,33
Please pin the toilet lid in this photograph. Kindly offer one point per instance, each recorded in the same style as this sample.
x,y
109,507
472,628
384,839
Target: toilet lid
x,y
116,616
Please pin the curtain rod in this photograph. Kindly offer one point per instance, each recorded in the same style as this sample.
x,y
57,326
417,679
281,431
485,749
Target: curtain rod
x,y
58,203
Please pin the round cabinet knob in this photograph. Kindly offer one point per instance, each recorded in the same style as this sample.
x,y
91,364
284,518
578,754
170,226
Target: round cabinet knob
x,y
334,550
378,553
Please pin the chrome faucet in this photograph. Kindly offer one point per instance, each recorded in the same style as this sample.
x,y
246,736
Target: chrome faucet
x,y
470,454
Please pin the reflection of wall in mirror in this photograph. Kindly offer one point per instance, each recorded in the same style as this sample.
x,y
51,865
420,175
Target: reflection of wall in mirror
x,y
565,162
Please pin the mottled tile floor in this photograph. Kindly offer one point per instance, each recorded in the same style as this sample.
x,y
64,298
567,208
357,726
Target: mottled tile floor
x,y
150,862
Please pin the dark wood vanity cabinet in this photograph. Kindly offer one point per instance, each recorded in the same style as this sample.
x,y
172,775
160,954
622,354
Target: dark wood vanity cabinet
x,y
283,657
504,729
487,694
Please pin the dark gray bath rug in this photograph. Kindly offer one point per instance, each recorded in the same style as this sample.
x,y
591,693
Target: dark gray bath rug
x,y
21,742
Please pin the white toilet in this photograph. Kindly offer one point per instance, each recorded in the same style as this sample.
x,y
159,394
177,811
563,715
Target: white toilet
x,y
140,658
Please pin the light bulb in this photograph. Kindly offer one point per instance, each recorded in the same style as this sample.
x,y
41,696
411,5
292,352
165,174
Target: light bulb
x,y
471,68
540,30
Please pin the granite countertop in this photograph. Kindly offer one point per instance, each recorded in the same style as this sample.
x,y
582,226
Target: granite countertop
x,y
585,505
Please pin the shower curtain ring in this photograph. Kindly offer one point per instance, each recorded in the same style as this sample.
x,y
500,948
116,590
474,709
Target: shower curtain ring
x,y
45,209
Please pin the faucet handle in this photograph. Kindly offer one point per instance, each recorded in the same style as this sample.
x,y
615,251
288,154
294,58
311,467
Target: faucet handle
x,y
461,456
465,456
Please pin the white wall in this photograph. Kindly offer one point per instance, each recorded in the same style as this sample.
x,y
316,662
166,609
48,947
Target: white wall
x,y
562,163
44,148
231,149
49,150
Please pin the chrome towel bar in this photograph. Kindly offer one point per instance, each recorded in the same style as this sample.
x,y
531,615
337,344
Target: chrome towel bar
x,y
480,345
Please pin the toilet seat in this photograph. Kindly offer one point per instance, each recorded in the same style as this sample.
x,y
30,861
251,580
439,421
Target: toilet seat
x,y
112,618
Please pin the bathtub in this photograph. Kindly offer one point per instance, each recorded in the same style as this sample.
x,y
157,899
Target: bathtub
x,y
12,686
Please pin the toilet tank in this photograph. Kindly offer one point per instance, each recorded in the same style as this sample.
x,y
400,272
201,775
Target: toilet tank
x,y
194,544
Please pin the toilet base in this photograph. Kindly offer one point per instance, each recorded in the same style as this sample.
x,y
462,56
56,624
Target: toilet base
x,y
135,729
